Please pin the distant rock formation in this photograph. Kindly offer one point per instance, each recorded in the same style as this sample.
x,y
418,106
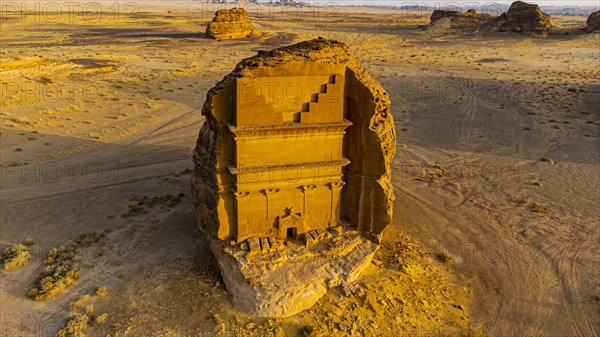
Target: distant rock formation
x,y
230,24
292,178
445,21
593,21
521,17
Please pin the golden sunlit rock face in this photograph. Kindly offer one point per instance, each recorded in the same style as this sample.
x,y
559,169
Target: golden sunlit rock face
x,y
300,139
522,17
229,24
295,153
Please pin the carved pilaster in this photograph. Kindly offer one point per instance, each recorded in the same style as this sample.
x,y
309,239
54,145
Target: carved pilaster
x,y
335,188
269,193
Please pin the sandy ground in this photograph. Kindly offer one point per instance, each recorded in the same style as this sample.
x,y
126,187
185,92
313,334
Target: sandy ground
x,y
497,197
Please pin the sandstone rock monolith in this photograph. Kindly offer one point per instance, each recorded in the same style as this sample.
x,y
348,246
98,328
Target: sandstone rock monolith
x,y
521,17
292,180
593,21
446,21
230,24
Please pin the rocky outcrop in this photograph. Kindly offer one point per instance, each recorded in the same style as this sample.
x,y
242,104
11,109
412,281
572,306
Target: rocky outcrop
x,y
593,21
521,17
290,279
444,21
292,179
230,24
470,15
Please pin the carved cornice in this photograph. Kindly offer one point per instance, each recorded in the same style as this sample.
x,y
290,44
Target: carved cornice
x,y
258,168
289,129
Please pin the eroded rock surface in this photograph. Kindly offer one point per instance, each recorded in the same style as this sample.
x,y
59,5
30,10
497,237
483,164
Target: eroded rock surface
x,y
230,24
522,17
297,144
593,21
282,280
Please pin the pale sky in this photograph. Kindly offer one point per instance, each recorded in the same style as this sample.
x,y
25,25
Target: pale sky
x,y
443,3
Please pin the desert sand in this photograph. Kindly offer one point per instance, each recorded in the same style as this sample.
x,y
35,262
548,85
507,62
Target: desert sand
x,y
495,229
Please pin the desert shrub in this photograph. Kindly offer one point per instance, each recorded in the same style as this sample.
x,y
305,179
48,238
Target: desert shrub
x,y
75,327
80,302
142,205
14,257
52,285
88,239
101,292
100,319
61,267
61,271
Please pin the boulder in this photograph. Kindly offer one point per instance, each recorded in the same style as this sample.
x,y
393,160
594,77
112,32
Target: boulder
x,y
593,21
521,17
292,179
230,24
